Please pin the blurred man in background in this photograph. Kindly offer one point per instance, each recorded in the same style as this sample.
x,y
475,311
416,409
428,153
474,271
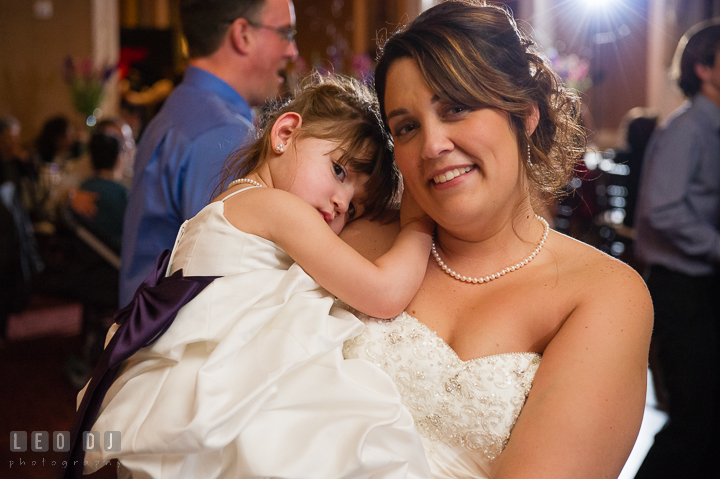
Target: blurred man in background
x,y
238,50
678,239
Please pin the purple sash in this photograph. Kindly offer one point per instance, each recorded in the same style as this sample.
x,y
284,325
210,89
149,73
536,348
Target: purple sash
x,y
150,313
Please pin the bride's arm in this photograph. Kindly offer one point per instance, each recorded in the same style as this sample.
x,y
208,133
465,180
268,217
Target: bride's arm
x,y
584,411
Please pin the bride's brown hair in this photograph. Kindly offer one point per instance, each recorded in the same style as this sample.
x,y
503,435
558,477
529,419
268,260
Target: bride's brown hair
x,y
474,54
335,108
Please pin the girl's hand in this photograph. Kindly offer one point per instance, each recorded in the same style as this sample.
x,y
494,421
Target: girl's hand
x,y
410,212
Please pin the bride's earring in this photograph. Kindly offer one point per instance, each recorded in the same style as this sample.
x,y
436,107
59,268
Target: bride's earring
x,y
280,148
529,154
529,161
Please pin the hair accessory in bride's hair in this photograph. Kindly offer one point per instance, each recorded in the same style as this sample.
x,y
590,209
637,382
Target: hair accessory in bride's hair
x,y
502,272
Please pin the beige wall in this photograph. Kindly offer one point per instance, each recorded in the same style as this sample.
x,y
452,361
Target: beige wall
x,y
32,52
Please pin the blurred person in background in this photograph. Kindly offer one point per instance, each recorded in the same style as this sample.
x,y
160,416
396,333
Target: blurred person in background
x,y
57,149
111,196
14,164
238,49
19,260
83,201
57,141
638,126
88,277
678,239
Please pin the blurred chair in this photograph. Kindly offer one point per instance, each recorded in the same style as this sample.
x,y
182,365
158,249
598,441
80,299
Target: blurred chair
x,y
19,259
91,278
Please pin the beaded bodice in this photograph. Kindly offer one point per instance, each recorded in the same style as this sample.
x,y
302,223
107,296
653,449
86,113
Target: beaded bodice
x,y
467,404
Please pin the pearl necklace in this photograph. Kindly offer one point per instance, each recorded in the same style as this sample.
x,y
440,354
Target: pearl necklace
x,y
502,272
240,181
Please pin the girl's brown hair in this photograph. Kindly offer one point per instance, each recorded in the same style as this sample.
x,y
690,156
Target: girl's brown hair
x,y
334,108
474,54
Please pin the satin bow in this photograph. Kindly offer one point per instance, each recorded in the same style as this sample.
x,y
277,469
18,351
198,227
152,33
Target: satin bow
x,y
150,313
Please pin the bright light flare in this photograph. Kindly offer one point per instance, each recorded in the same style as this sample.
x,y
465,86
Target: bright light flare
x,y
600,4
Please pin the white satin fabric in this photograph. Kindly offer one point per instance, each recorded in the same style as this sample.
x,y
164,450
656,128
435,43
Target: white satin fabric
x,y
249,381
463,410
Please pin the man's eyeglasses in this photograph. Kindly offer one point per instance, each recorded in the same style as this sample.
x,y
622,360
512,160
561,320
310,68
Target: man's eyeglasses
x,y
287,32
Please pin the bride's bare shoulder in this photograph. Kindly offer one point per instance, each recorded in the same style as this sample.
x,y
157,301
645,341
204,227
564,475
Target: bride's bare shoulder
x,y
585,265
370,238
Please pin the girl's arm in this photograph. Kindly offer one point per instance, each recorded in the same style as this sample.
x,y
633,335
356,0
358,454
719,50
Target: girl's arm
x,y
382,288
584,411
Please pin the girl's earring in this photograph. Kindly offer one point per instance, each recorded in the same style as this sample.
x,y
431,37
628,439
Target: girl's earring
x,y
280,148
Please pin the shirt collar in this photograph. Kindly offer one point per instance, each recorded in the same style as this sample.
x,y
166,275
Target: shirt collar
x,y
204,80
708,109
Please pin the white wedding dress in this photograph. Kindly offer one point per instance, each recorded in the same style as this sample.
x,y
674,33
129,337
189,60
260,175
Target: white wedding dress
x,y
463,410
250,381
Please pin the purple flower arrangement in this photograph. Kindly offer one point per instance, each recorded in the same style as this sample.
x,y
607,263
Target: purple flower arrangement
x,y
573,69
86,83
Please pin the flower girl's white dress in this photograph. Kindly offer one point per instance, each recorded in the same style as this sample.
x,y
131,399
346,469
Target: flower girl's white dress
x,y
250,381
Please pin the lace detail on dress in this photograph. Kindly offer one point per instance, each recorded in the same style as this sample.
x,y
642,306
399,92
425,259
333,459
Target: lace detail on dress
x,y
473,404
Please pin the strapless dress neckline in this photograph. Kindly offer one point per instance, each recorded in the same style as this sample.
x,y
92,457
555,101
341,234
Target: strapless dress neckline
x,y
420,324
464,410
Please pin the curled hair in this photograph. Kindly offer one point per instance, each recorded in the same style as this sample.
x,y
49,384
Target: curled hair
x,y
334,108
205,22
474,54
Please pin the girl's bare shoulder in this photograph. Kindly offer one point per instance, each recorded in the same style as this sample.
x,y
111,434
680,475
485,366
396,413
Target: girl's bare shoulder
x,y
261,199
259,210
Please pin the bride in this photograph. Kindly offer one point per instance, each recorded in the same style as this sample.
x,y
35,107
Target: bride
x,y
524,354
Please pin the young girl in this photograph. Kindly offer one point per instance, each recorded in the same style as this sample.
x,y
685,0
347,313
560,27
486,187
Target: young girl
x,y
249,379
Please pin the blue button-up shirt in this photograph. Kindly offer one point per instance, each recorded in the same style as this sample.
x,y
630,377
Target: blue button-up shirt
x,y
178,159
678,209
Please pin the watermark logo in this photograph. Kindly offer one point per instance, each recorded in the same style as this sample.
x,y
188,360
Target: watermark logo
x,y
40,441
60,441
18,441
